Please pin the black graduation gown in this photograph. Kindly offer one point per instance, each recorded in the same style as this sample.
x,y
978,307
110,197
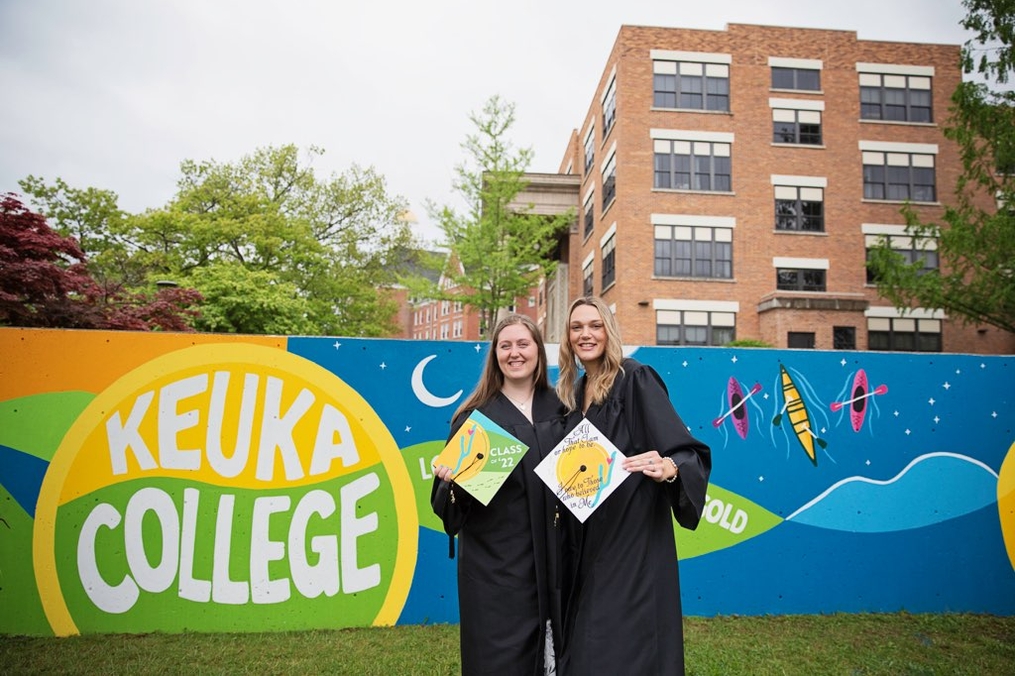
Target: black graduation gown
x,y
508,584
623,612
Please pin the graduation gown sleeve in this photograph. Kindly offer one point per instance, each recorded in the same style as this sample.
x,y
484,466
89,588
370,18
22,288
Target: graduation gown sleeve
x,y
655,424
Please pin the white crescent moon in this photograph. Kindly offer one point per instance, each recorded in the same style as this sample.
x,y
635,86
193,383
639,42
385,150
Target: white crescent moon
x,y
423,394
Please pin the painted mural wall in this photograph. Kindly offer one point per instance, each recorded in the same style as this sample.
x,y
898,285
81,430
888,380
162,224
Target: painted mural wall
x,y
171,482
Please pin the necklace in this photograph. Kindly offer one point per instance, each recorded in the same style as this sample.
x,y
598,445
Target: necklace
x,y
520,404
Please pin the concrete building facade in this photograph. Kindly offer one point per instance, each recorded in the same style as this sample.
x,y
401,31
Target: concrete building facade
x,y
730,183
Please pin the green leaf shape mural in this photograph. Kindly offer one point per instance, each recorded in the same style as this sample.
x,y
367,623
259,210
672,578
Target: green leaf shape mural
x,y
18,589
36,424
417,461
727,520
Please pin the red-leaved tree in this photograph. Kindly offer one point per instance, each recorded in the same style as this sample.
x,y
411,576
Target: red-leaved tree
x,y
44,283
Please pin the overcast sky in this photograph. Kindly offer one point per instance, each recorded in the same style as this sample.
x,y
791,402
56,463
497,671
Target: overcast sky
x,y
114,94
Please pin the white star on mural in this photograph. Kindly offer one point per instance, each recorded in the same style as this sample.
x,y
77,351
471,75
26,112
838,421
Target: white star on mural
x,y
947,385
383,366
337,345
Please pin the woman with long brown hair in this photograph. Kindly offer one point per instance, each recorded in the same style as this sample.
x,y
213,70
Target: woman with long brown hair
x,y
508,596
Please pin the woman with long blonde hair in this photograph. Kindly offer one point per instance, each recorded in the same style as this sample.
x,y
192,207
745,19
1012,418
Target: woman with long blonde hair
x,y
622,611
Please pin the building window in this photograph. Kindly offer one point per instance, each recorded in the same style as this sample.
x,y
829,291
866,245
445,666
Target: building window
x,y
897,98
804,79
843,338
609,107
912,249
609,181
590,148
693,165
691,85
693,251
904,334
799,279
898,176
609,262
587,279
588,214
456,329
445,331
694,327
800,127
800,340
799,208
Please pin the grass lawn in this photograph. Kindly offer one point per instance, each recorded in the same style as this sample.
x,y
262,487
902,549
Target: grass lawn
x,y
854,645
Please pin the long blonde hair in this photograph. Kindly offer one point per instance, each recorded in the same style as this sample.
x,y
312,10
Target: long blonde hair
x,y
602,380
492,378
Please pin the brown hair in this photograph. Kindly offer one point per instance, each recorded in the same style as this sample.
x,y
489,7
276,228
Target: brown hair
x,y
492,378
602,380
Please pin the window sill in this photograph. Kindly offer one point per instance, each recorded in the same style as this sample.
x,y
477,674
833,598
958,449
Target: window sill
x,y
606,135
691,110
779,290
821,233
816,92
685,191
659,278
818,146
904,123
606,208
866,200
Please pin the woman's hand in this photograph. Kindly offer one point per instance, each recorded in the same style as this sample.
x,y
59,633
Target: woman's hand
x,y
442,472
652,465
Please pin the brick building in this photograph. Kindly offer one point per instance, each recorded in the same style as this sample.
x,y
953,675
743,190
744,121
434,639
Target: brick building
x,y
729,183
429,319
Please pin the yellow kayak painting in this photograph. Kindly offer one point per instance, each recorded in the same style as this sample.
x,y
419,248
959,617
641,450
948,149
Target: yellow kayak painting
x,y
796,410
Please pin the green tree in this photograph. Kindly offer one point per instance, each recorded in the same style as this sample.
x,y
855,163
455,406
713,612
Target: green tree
x,y
976,241
503,249
304,254
92,217
241,300
329,242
